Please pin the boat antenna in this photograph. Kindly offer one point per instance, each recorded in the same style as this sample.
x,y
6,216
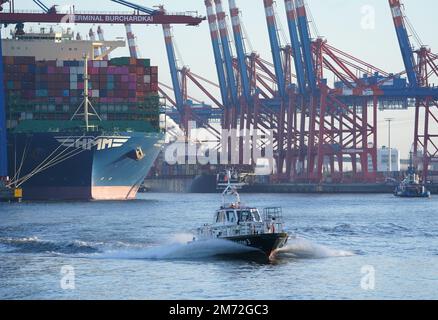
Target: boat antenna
x,y
230,190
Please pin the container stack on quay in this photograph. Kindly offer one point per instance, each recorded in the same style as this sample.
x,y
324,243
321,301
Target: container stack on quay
x,y
121,88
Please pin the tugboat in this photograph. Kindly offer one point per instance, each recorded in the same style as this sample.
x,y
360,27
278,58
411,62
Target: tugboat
x,y
243,225
411,187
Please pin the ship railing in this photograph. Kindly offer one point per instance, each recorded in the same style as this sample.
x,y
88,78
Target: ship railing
x,y
228,231
273,218
273,213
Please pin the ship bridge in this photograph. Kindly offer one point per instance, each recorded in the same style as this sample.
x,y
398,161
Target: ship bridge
x,y
52,45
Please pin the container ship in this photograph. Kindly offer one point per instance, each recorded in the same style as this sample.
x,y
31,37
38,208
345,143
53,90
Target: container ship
x,y
80,126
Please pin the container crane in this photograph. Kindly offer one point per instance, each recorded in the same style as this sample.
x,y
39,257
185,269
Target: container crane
x,y
306,43
101,37
92,35
275,45
170,49
216,44
176,81
296,44
133,50
404,42
240,49
41,5
228,60
426,96
142,15
138,7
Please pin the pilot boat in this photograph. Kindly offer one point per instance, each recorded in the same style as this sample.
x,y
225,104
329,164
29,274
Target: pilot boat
x,y
411,187
261,233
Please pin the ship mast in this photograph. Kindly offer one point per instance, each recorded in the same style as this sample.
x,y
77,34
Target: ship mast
x,y
86,99
86,104
230,190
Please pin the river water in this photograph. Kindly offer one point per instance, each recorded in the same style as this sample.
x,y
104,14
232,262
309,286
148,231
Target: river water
x,y
346,247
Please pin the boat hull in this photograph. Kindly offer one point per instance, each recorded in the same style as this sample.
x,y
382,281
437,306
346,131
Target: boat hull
x,y
265,244
411,192
69,166
412,195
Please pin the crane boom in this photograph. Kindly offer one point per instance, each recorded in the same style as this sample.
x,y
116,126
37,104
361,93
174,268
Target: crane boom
x,y
306,43
41,5
240,48
215,40
296,44
404,42
133,50
171,56
137,7
275,45
225,40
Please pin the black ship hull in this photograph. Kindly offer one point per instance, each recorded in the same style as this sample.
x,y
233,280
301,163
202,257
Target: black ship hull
x,y
264,244
68,166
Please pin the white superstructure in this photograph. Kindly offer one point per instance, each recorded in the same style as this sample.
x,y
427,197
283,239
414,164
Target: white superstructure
x,y
53,45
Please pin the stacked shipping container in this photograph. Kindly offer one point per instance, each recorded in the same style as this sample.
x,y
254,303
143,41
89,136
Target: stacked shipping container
x,y
120,89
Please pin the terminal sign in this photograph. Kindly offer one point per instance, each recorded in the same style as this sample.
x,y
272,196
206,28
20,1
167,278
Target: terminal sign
x,y
113,18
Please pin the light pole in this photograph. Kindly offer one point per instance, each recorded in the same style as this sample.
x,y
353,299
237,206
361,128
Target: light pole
x,y
389,120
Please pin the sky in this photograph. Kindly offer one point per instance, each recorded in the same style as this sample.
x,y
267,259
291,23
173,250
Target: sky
x,y
363,28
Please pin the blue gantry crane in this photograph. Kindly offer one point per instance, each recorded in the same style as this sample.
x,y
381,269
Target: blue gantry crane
x,y
228,59
306,43
217,52
240,50
41,5
296,44
275,46
137,7
404,42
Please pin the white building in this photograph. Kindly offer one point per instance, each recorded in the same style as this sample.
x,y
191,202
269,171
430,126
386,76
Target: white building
x,y
383,159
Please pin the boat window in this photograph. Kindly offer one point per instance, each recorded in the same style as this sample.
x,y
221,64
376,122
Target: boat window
x,y
244,215
220,217
256,215
230,216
